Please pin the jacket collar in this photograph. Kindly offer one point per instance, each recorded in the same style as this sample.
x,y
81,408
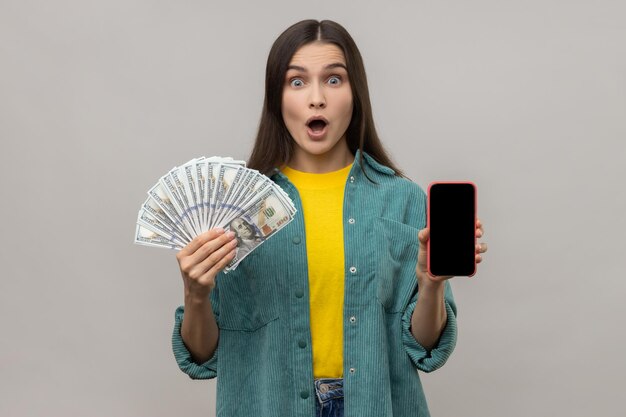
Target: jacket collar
x,y
383,169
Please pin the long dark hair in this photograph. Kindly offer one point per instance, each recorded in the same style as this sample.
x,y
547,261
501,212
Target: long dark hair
x,y
274,145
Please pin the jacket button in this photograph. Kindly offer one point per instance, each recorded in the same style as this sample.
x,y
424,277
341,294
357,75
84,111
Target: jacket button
x,y
296,240
353,319
352,371
299,293
302,344
351,178
351,220
304,394
353,270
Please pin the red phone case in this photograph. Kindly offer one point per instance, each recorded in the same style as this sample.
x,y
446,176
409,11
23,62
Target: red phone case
x,y
428,219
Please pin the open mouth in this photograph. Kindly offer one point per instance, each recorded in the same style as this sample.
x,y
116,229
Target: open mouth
x,y
317,125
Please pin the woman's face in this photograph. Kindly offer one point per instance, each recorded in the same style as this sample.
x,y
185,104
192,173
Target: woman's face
x,y
317,102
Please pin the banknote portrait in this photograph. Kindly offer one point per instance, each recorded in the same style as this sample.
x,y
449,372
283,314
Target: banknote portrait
x,y
246,235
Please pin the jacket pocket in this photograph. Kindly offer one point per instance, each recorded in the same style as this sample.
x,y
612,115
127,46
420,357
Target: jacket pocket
x,y
247,296
395,263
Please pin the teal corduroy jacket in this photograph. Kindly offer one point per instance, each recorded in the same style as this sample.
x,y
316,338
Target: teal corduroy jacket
x,y
264,361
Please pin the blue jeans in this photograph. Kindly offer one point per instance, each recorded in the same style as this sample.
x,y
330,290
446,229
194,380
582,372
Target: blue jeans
x,y
329,401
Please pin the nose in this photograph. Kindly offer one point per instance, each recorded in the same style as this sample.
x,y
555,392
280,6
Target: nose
x,y
317,99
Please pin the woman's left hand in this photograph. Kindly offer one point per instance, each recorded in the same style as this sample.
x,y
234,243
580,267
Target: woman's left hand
x,y
423,276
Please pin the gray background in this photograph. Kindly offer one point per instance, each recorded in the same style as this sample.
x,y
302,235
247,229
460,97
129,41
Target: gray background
x,y
98,99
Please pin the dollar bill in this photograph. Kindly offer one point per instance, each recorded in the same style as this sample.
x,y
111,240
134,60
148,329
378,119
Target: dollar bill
x,y
259,222
190,184
201,184
162,199
150,222
151,206
169,186
233,178
177,178
147,237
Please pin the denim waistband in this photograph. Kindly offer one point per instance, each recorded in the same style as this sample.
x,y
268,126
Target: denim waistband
x,y
328,389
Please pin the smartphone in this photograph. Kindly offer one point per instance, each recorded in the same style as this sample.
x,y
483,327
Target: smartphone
x,y
451,219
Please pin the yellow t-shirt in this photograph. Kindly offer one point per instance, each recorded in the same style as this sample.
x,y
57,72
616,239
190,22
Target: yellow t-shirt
x,y
322,206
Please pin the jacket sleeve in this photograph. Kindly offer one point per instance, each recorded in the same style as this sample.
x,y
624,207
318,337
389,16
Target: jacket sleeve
x,y
431,360
206,370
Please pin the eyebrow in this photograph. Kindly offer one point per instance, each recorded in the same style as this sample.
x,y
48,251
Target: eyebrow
x,y
327,67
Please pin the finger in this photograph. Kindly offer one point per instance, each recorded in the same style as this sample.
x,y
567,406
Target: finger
x,y
439,278
216,257
210,247
478,259
221,264
217,267
200,240
423,235
481,247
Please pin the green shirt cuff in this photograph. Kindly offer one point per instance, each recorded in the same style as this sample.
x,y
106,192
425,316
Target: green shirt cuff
x,y
429,360
185,362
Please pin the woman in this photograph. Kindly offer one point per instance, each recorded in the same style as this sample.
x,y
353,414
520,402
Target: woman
x,y
326,314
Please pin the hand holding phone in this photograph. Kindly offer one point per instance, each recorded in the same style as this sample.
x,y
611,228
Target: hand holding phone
x,y
451,221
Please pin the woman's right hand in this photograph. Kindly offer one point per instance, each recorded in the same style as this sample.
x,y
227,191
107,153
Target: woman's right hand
x,y
202,259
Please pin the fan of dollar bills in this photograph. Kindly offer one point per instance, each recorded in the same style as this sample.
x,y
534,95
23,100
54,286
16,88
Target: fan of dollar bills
x,y
206,193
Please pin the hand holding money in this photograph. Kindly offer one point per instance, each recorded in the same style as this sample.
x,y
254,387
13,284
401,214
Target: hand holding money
x,y
210,193
203,258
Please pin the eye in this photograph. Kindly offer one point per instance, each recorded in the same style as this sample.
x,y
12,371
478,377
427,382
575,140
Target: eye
x,y
296,82
334,80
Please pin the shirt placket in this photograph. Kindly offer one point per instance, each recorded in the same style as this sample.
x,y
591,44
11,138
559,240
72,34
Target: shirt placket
x,y
352,269
299,315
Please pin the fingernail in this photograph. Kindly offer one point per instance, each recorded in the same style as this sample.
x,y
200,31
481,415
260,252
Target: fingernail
x,y
230,234
219,230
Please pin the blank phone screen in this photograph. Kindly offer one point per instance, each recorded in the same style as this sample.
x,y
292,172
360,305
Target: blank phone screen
x,y
452,228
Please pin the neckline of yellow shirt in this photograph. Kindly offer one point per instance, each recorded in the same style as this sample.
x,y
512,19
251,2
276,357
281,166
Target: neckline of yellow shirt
x,y
315,181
